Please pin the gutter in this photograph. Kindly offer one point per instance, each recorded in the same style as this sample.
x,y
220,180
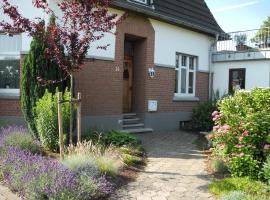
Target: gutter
x,y
211,72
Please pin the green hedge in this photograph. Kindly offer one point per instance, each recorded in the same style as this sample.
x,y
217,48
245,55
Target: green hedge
x,y
47,120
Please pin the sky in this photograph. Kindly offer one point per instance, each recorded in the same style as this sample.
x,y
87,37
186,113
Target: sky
x,y
239,15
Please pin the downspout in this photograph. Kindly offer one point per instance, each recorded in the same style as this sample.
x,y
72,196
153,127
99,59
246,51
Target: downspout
x,y
211,50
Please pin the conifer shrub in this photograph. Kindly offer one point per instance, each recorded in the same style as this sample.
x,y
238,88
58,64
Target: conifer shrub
x,y
36,65
47,120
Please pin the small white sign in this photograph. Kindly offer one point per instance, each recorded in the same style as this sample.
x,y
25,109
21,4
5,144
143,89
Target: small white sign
x,y
152,106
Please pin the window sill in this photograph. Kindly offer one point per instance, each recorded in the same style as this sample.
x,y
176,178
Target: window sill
x,y
9,96
186,98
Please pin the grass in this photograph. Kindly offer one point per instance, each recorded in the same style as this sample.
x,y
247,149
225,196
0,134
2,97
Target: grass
x,y
108,165
253,189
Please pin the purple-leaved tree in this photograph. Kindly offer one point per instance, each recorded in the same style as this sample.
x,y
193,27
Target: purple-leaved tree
x,y
81,23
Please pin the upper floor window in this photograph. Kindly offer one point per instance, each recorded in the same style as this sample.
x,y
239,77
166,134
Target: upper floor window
x,y
10,47
10,44
141,1
185,74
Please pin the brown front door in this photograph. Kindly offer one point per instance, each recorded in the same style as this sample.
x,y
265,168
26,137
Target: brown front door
x,y
127,84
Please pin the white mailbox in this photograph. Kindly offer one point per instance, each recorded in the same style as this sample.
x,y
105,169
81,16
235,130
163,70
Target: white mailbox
x,y
152,106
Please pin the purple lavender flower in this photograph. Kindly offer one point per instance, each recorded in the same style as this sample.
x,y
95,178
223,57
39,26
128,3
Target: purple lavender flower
x,y
38,177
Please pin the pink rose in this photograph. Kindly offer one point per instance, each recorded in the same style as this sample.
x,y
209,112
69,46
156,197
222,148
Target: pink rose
x,y
215,128
215,113
246,133
266,147
226,127
241,154
239,146
222,146
240,138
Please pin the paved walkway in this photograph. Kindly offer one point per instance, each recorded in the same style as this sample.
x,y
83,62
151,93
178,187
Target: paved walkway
x,y
6,194
176,170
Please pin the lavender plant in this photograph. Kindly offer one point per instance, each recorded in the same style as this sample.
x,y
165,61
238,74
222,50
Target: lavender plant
x,y
36,177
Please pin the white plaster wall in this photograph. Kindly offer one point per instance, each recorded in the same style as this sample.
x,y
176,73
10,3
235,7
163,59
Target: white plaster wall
x,y
257,74
170,39
109,39
27,10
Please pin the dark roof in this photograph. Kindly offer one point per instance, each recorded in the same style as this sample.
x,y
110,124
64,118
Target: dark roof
x,y
192,14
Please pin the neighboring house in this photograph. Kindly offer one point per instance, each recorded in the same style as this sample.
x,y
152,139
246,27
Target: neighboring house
x,y
241,61
157,66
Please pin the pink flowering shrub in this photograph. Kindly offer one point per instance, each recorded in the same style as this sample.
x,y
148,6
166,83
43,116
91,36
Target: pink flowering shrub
x,y
241,135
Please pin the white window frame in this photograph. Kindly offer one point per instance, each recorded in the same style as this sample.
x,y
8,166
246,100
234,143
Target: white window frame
x,y
141,1
10,92
188,70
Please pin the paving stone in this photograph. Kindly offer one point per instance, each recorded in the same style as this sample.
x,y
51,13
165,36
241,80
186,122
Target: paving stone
x,y
175,170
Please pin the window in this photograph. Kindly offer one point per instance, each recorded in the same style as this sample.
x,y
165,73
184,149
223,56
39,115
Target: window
x,y
185,75
9,75
10,44
141,1
10,47
237,79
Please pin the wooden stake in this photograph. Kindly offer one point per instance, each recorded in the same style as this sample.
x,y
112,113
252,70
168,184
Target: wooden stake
x,y
71,111
79,118
60,126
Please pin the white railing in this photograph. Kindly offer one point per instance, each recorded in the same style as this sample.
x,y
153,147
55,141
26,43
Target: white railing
x,y
251,40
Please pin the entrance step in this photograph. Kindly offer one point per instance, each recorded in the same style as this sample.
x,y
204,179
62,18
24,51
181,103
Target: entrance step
x,y
138,130
131,121
132,124
129,115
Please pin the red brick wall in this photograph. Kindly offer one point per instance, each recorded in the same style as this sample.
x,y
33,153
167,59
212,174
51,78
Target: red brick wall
x,y
10,107
161,88
101,84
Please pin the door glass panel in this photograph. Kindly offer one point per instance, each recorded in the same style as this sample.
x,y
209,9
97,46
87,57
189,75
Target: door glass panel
x,y
183,80
125,72
191,83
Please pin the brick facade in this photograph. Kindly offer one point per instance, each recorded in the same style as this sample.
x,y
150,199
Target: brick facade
x,y
161,88
10,107
100,81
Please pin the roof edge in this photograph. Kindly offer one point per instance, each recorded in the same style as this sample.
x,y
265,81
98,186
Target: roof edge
x,y
150,12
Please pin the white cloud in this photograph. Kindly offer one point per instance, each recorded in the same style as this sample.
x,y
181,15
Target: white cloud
x,y
233,7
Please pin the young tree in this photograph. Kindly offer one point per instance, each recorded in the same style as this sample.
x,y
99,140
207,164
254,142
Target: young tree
x,y
81,23
262,38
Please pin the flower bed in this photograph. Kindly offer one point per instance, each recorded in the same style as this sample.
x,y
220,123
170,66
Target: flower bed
x,y
34,176
84,174
241,135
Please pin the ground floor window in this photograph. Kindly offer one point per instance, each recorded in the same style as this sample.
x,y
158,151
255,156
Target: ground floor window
x,y
9,75
237,79
185,74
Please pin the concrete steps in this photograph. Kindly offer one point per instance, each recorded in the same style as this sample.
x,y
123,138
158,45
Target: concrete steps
x,y
132,124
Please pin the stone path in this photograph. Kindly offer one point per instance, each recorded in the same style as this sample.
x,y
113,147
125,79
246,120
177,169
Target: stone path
x,y
176,170
6,194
